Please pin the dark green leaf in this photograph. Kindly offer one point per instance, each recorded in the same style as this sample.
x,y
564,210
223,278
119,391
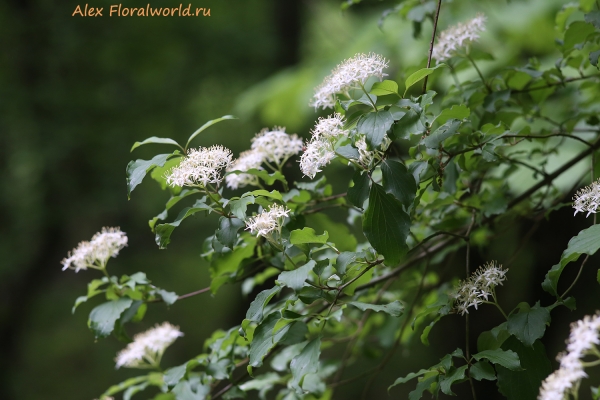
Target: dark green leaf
x,y
524,384
394,308
453,376
409,124
398,182
422,386
358,193
587,241
529,324
386,225
206,125
273,194
407,378
374,126
228,229
345,259
576,34
265,338
238,207
255,311
295,279
348,151
442,133
594,58
482,370
137,170
493,339
172,201
508,359
156,140
307,235
164,231
305,363
102,318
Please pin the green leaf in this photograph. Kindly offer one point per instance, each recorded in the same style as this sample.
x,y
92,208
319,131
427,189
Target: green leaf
x,y
156,140
168,297
269,179
420,74
305,363
384,88
593,17
453,376
206,125
587,241
124,385
172,201
295,279
345,259
174,375
594,58
529,324
493,339
442,133
273,194
239,207
255,311
524,384
456,112
482,370
398,182
164,231
78,301
386,225
576,34
395,308
307,235
228,231
102,318
508,359
407,378
137,170
374,126
265,338
348,152
358,193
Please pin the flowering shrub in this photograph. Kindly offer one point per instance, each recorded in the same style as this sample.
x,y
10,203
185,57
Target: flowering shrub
x,y
430,172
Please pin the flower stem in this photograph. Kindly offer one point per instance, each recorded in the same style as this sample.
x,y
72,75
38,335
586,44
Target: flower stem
x,y
369,97
489,89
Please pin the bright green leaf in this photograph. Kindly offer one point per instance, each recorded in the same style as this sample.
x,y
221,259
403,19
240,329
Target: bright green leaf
x,y
307,235
156,140
305,363
206,125
384,88
456,112
420,74
295,279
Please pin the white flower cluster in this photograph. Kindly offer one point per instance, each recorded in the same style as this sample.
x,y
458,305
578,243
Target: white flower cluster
x,y
367,156
200,167
95,253
350,74
587,199
479,287
275,145
267,222
458,37
249,159
147,347
320,149
565,380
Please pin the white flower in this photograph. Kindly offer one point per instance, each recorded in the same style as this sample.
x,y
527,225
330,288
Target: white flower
x,y
318,153
367,156
330,127
248,160
95,253
147,347
275,145
479,287
200,167
565,380
351,73
458,37
587,199
268,222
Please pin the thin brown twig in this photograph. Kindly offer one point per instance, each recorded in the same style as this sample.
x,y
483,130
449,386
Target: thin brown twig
x,y
435,23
